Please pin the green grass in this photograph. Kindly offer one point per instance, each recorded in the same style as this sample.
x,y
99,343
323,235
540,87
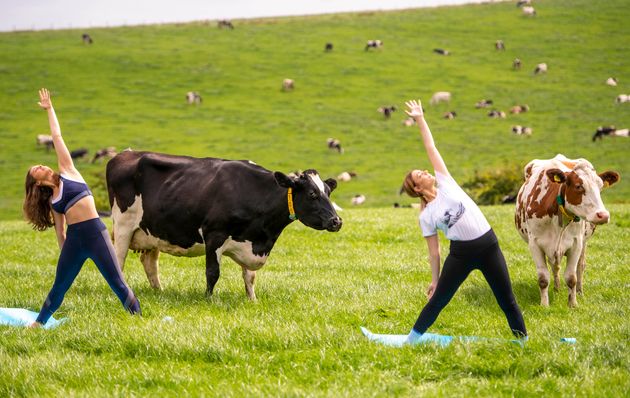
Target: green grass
x,y
302,337
128,88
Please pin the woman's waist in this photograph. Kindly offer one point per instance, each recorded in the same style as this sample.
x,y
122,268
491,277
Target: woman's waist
x,y
82,210
468,246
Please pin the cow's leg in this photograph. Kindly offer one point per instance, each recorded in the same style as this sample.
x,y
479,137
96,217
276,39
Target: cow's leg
x,y
122,240
555,267
543,272
149,260
213,260
570,276
250,279
581,266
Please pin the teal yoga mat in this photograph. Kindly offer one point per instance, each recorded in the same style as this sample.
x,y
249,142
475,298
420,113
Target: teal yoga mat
x,y
24,317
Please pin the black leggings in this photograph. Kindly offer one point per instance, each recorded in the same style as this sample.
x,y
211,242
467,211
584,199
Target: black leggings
x,y
87,239
484,254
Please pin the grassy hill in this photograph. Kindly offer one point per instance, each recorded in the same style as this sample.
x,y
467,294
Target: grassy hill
x,y
127,90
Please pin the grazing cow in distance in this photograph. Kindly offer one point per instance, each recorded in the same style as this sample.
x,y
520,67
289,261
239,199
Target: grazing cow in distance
x,y
540,68
409,122
516,64
373,44
521,130
103,153
440,96
224,23
557,209
496,114
45,140
193,97
510,198
441,51
80,153
529,11
188,206
334,144
288,84
602,131
329,47
611,81
622,98
346,176
450,115
516,109
358,200
499,45
387,110
86,38
521,3
484,103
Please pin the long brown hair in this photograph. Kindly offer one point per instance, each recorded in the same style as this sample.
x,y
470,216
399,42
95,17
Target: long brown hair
x,y
36,207
409,185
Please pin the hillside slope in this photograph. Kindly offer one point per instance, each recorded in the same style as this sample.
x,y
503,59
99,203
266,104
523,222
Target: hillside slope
x,y
127,90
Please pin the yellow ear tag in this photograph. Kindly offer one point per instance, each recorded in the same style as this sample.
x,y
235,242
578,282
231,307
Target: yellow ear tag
x,y
556,178
606,184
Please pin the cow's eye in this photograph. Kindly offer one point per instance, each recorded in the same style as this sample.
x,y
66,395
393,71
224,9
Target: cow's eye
x,y
312,195
579,187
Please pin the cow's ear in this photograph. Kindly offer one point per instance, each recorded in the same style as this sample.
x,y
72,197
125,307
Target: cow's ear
x,y
556,175
332,184
283,180
609,178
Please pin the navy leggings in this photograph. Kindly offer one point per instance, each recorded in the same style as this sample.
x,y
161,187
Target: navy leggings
x,y
87,239
485,255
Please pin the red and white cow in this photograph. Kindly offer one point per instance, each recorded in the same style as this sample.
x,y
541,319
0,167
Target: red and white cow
x,y
557,210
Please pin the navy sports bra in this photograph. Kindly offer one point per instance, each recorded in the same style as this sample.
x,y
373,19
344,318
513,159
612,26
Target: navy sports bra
x,y
71,192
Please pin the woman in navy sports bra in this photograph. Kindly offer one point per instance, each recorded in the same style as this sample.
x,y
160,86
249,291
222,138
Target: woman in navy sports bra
x,y
54,199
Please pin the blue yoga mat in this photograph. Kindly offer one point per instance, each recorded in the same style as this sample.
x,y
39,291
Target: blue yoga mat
x,y
23,317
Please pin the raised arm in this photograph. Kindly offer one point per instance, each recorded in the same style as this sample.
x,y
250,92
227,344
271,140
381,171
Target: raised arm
x,y
415,111
63,155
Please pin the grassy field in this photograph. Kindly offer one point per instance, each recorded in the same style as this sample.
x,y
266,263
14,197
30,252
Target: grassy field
x,y
128,88
302,337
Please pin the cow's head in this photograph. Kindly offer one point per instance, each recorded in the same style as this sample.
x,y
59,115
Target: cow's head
x,y
582,192
311,199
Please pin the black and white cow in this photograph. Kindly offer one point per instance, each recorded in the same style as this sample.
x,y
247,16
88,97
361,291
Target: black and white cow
x,y
373,44
190,207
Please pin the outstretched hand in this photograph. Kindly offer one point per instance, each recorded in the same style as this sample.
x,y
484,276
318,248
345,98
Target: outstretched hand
x,y
431,289
415,109
44,99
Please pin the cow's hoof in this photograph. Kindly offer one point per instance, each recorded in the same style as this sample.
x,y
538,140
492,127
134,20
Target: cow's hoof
x,y
573,304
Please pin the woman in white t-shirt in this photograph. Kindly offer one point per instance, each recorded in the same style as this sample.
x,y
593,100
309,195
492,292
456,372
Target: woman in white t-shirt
x,y
446,207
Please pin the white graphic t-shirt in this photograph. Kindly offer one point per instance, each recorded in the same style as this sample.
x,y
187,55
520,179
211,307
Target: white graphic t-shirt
x,y
452,212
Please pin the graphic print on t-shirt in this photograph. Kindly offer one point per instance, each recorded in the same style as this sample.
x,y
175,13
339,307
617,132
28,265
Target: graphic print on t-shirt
x,y
449,219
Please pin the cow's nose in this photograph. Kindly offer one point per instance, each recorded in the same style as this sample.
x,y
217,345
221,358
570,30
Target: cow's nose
x,y
335,224
603,216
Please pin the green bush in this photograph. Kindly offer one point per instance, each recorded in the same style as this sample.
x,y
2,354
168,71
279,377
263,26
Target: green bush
x,y
494,186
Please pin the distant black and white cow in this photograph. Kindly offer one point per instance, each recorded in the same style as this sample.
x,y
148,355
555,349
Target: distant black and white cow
x,y
516,64
358,200
86,38
441,51
334,144
103,153
190,207
387,110
610,131
409,122
79,153
224,23
516,109
496,114
521,130
484,103
450,115
346,176
499,45
529,11
193,97
373,44
540,68
611,81
328,47
622,98
45,140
